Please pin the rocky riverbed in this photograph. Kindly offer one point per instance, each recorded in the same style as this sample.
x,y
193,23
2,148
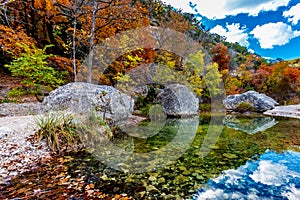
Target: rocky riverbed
x,y
20,151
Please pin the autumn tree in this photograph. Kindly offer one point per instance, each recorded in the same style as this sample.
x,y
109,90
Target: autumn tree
x,y
221,56
279,81
9,39
72,10
201,79
39,19
107,18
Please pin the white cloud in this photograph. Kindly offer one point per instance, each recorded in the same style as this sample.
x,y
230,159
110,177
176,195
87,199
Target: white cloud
x,y
220,8
293,14
268,173
292,193
183,4
271,170
273,34
251,51
233,33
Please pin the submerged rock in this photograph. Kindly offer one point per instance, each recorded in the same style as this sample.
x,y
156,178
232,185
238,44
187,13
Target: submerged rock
x,y
259,102
79,97
178,100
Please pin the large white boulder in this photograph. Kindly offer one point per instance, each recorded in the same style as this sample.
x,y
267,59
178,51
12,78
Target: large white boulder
x,y
178,100
79,97
260,102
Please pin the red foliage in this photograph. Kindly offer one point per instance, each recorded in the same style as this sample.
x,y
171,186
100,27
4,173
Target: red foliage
x,y
292,73
259,79
62,64
221,56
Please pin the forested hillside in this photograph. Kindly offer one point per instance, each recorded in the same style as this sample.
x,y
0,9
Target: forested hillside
x,y
45,42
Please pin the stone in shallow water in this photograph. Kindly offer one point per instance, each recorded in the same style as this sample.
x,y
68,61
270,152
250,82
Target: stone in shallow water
x,y
178,100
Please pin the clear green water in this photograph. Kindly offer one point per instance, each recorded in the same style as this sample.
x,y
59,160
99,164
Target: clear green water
x,y
180,157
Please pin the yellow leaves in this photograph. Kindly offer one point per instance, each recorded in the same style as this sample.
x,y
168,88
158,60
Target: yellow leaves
x,y
196,61
191,74
45,5
122,78
166,74
133,60
213,79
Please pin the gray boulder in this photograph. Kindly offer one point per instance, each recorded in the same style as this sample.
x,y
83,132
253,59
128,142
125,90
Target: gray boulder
x,y
260,102
177,100
79,97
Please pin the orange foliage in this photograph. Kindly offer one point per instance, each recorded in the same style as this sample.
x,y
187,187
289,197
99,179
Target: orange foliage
x,y
176,22
120,16
221,56
279,81
261,76
62,64
8,43
292,73
36,17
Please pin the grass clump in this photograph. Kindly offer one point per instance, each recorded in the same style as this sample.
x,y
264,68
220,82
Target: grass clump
x,y
65,132
59,131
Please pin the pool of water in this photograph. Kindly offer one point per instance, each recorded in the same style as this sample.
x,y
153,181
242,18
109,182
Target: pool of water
x,y
272,176
196,158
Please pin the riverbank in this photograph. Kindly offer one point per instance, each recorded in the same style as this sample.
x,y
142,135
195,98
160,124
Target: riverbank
x,y
19,150
292,111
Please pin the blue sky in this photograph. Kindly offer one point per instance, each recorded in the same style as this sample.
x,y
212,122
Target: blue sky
x,y
270,28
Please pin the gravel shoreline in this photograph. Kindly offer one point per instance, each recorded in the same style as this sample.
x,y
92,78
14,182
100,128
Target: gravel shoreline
x,y
19,151
292,111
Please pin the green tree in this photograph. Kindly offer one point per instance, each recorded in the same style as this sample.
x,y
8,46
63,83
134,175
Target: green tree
x,y
32,67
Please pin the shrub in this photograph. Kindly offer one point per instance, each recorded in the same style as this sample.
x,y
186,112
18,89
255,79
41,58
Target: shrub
x,y
33,68
15,93
244,107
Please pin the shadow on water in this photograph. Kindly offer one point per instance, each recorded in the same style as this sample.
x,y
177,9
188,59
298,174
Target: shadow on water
x,y
182,158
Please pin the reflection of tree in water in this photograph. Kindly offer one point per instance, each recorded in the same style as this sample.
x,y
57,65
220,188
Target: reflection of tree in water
x,y
153,153
160,139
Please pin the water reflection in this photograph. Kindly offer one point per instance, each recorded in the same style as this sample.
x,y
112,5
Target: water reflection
x,y
182,157
137,155
273,176
250,125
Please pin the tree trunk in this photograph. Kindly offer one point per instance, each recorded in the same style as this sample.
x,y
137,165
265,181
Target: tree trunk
x,y
74,50
92,36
